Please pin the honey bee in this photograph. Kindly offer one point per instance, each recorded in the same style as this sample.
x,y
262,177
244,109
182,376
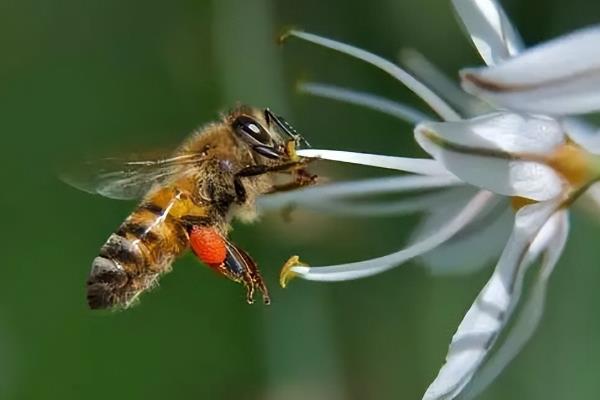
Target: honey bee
x,y
188,201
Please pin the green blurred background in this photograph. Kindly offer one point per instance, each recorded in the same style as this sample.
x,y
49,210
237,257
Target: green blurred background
x,y
82,77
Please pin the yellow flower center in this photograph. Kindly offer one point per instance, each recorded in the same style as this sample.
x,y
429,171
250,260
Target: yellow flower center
x,y
573,163
518,202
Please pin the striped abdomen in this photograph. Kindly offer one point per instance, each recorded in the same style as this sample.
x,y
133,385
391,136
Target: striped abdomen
x,y
135,255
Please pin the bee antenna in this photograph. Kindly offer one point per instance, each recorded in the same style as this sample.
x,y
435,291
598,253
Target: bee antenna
x,y
285,127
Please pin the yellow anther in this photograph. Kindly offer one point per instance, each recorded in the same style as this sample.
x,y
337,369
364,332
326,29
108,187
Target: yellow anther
x,y
284,34
290,149
286,274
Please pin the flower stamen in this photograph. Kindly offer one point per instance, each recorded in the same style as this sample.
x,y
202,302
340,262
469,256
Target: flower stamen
x,y
287,274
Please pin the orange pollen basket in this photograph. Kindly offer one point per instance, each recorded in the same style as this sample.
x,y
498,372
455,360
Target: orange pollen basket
x,y
208,245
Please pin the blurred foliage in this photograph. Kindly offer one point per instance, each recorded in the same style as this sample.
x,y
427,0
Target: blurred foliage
x,y
80,77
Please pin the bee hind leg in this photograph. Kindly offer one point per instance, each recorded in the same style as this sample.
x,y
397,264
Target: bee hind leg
x,y
253,278
227,259
240,265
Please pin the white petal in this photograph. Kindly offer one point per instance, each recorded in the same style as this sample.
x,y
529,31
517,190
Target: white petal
x,y
490,166
533,180
476,247
546,239
558,77
356,188
405,164
554,236
489,28
583,133
427,95
487,316
468,105
343,272
386,106
448,201
381,209
505,132
453,200
417,203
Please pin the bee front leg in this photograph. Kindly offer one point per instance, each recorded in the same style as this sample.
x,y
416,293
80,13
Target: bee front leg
x,y
253,170
240,190
302,178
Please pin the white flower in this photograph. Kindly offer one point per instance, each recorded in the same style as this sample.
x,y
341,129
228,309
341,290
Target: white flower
x,y
527,150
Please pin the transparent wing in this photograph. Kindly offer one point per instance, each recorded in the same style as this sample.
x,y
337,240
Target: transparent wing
x,y
126,179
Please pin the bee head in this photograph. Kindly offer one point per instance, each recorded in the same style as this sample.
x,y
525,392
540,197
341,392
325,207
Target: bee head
x,y
267,134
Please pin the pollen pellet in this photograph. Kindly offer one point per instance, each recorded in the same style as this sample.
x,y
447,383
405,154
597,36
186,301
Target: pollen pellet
x,y
208,245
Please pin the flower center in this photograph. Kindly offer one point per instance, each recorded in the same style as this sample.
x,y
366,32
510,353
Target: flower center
x,y
577,167
575,164
518,202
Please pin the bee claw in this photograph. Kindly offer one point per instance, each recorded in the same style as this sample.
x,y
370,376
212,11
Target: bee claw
x,y
266,299
252,281
249,289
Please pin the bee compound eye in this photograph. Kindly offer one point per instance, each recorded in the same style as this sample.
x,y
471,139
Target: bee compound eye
x,y
251,131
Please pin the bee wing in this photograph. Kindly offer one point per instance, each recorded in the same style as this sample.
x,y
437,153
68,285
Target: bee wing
x,y
124,179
